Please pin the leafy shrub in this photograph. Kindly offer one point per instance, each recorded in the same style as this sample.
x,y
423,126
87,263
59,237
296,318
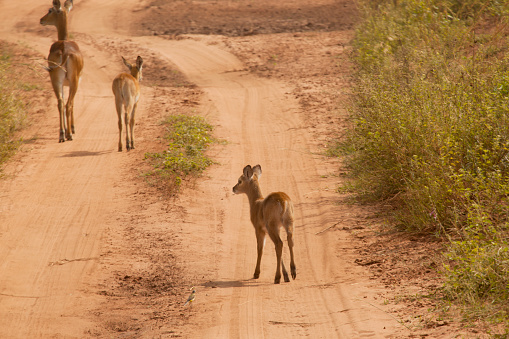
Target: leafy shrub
x,y
430,131
479,278
431,122
188,137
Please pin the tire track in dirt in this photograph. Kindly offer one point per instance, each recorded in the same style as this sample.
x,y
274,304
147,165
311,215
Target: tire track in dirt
x,y
55,208
61,202
262,125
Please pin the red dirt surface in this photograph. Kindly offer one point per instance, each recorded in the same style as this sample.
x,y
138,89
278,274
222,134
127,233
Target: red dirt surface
x,y
90,248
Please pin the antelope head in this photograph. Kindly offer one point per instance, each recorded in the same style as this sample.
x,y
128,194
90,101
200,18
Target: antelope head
x,y
57,16
136,71
249,174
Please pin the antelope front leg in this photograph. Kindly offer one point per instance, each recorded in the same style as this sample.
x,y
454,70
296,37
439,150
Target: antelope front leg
x,y
260,242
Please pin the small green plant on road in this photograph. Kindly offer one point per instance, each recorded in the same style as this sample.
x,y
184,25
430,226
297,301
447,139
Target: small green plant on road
x,y
187,139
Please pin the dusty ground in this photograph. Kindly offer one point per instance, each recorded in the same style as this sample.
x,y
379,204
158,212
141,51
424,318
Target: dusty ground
x,y
90,248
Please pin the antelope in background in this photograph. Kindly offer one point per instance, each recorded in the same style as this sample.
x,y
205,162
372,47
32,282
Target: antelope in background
x,y
268,215
126,88
65,64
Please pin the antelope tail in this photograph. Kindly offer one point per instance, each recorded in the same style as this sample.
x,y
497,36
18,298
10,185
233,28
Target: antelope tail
x,y
55,65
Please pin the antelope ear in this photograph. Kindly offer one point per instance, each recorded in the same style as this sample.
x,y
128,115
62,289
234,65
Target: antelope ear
x,y
56,4
257,170
127,63
248,172
139,62
68,5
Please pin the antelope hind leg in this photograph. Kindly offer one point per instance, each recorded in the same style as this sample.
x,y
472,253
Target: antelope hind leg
x,y
279,251
285,274
131,124
260,242
292,262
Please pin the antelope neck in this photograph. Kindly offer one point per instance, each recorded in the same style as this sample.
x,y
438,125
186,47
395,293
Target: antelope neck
x,y
254,193
62,28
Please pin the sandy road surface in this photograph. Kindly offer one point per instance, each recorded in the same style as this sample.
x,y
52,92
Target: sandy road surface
x,y
63,198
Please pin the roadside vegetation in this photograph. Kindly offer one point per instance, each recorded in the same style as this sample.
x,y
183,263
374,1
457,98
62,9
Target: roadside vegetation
x,y
188,137
12,113
430,136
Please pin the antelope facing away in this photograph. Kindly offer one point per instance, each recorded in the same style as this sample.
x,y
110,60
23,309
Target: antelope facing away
x,y
268,215
65,64
126,88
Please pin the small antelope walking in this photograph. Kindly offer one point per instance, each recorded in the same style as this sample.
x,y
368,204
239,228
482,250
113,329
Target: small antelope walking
x,y
65,64
126,88
268,215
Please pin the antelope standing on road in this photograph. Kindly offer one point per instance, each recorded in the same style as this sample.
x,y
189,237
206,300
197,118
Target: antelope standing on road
x,y
126,88
65,64
267,216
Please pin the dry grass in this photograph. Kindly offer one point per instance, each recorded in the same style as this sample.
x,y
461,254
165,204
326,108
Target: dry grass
x,y
11,108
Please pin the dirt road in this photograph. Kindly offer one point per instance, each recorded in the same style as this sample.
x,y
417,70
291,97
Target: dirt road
x,y
70,212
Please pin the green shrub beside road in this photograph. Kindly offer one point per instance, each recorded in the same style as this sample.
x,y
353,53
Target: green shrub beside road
x,y
12,113
430,133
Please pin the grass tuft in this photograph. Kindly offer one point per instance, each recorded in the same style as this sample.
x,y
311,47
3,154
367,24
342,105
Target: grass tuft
x,y
188,138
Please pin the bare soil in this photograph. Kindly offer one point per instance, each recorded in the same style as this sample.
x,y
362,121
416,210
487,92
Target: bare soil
x,y
91,247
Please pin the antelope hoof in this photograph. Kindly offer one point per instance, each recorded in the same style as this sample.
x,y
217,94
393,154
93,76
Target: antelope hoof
x,y
256,275
72,129
287,279
277,280
294,272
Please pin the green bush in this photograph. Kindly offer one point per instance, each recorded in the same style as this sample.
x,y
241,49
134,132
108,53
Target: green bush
x,y
479,278
431,122
430,130
188,137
